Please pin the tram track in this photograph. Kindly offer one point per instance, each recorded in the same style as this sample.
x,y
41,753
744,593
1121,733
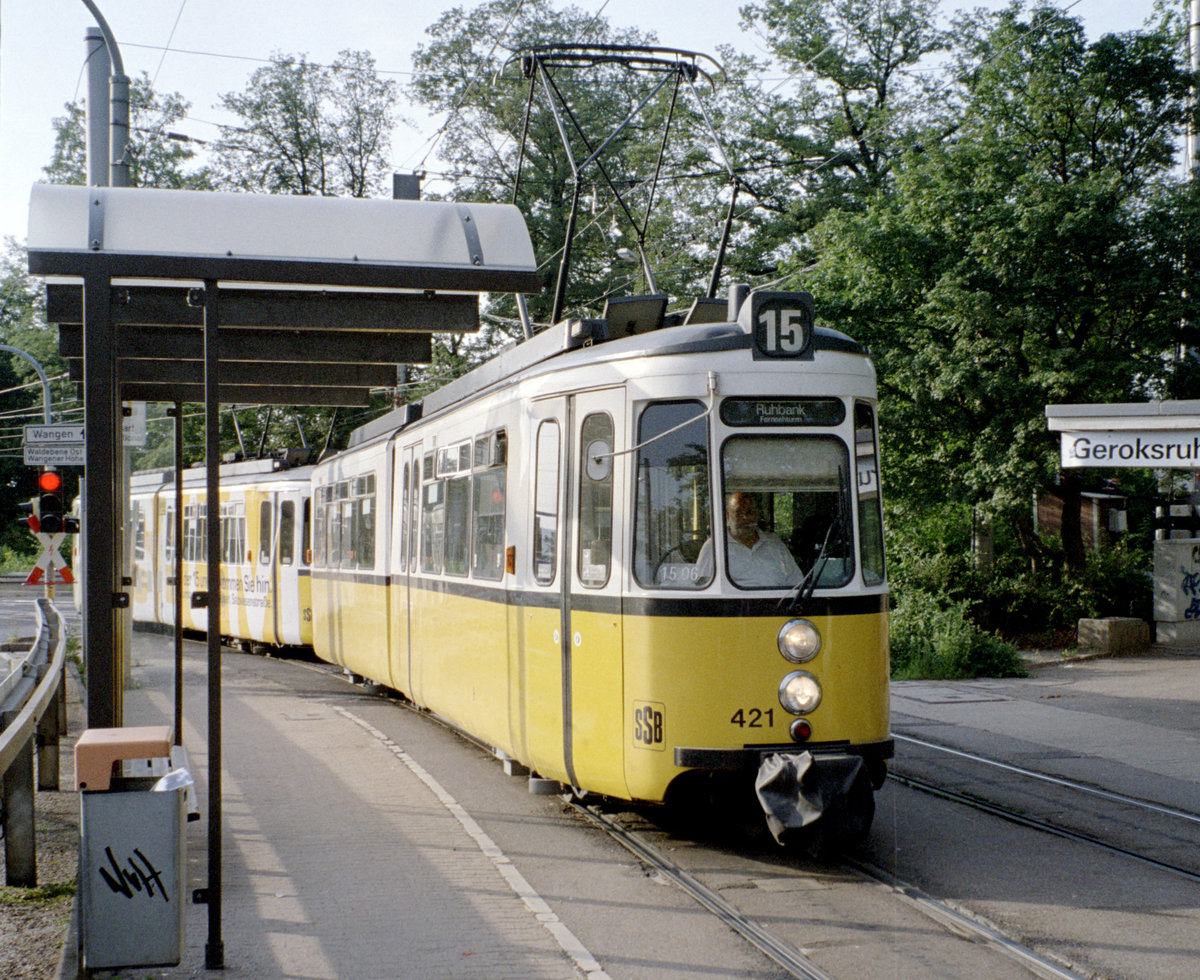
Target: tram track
x,y
1011,814
787,956
792,960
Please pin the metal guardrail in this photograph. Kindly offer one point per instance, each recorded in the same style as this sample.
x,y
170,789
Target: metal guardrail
x,y
32,709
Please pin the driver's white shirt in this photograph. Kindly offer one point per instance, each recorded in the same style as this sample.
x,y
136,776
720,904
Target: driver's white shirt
x,y
767,564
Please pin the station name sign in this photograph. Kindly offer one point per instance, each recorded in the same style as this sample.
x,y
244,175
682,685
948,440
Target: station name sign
x,y
1148,448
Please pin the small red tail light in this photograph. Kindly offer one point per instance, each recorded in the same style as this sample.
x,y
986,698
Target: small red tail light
x,y
801,730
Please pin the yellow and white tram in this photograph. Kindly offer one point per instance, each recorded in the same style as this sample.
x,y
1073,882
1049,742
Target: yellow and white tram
x,y
553,554
539,552
265,527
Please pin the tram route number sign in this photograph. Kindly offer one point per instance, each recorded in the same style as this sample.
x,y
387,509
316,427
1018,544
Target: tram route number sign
x,y
782,324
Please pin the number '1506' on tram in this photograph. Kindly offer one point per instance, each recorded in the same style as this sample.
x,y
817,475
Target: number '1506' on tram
x,y
640,555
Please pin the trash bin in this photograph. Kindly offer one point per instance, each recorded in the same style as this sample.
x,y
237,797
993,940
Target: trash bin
x,y
131,851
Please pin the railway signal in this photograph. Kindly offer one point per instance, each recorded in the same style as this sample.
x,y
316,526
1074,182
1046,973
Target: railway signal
x,y
50,501
46,518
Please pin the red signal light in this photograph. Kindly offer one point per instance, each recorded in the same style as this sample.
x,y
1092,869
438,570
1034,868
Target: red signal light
x,y
49,481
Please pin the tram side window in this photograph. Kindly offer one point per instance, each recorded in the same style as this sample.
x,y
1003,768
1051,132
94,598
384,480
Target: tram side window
x,y
413,516
195,532
346,552
321,524
139,535
545,504
339,523
287,532
488,508
870,513
457,523
595,500
266,515
433,523
361,550
306,533
402,520
233,533
673,518
169,538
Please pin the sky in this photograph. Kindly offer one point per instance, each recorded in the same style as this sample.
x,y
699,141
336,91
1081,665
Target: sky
x,y
206,48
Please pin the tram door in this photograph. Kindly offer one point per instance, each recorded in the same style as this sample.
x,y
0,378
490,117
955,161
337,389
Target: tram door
x,y
406,487
164,543
593,567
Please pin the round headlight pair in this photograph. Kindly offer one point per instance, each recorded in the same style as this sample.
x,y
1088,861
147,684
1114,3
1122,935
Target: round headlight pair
x,y
799,641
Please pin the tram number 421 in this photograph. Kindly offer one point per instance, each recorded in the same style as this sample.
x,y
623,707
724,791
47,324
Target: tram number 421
x,y
753,718
648,723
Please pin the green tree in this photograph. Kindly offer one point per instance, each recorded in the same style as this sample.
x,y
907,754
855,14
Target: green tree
x,y
469,71
309,129
23,326
1036,256
157,156
862,94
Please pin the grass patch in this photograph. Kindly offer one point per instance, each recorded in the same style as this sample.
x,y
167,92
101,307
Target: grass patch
x,y
42,895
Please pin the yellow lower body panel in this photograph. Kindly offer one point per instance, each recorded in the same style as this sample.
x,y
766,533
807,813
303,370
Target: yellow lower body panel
x,y
714,683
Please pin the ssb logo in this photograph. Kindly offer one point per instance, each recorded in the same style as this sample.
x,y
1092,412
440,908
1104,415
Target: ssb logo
x,y
648,723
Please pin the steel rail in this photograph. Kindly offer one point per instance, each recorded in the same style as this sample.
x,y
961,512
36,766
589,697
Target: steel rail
x,y
951,918
1034,824
775,949
1055,780
14,736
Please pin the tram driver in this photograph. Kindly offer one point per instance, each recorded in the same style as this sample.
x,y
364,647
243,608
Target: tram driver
x,y
757,558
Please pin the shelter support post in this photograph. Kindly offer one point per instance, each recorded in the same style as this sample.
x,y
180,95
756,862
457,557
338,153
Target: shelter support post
x,y
214,949
177,554
102,524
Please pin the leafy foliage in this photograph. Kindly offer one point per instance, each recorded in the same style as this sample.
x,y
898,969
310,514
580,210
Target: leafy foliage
x,y
309,129
861,95
932,640
1031,258
157,157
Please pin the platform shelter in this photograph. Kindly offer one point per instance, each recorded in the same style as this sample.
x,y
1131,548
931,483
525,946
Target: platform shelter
x,y
188,296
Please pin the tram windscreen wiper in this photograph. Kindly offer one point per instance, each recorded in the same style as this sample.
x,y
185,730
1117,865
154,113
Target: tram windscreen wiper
x,y
838,529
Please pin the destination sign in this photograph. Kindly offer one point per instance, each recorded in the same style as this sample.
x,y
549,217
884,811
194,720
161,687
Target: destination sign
x,y
782,411
50,454
53,434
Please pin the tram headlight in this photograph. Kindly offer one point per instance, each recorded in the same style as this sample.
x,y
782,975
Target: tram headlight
x,y
799,641
800,692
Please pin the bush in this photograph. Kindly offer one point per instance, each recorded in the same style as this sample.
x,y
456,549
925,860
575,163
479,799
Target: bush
x,y
12,560
1014,601
932,641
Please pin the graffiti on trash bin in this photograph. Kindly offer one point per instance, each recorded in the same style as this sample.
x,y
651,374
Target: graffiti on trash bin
x,y
140,876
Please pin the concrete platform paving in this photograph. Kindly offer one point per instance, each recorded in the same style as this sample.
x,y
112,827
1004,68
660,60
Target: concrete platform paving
x,y
344,858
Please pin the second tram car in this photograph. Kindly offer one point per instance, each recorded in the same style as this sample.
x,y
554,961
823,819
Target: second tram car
x,y
265,529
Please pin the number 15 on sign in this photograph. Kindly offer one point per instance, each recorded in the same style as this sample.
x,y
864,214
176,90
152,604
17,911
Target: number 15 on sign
x,y
783,324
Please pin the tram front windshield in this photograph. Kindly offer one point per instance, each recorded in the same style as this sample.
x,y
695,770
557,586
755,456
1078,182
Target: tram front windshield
x,y
785,506
787,511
